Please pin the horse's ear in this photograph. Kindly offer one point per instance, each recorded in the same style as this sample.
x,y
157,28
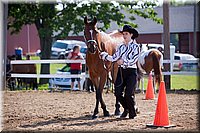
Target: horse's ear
x,y
94,21
85,20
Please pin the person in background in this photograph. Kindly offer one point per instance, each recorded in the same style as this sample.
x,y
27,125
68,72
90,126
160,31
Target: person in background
x,y
75,68
28,57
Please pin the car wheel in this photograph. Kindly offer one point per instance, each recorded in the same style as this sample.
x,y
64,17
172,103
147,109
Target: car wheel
x,y
61,57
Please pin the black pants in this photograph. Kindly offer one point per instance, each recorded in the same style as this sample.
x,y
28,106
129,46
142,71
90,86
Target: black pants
x,y
126,80
74,71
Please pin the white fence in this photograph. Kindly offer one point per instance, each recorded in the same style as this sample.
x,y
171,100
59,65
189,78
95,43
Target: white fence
x,y
171,72
83,62
16,75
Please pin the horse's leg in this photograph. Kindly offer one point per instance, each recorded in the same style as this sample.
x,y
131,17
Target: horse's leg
x,y
142,87
19,85
96,110
114,76
101,87
107,85
92,86
35,86
154,84
137,89
26,83
117,106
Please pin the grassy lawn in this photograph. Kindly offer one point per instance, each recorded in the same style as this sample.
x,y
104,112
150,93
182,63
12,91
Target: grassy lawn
x,y
181,82
185,82
177,81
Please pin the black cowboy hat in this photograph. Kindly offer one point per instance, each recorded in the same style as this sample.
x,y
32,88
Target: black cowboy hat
x,y
128,28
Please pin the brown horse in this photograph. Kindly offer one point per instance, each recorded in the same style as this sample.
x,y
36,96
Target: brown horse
x,y
25,69
97,42
149,60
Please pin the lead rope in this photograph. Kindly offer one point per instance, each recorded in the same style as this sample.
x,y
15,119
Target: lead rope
x,y
121,77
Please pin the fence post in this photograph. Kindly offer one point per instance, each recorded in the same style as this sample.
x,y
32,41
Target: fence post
x,y
3,27
166,42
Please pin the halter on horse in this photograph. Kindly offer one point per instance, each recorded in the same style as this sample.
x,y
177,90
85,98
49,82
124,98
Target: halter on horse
x,y
149,60
97,42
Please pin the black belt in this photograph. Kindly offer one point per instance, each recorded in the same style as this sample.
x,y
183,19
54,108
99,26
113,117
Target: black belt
x,y
127,68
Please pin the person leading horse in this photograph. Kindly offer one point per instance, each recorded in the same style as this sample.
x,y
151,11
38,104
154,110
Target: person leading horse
x,y
126,57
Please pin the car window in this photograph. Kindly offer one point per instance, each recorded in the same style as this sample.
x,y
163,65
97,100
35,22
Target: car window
x,y
70,46
177,58
83,50
186,57
151,47
190,57
60,45
65,69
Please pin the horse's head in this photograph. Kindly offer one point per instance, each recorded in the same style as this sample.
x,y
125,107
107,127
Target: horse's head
x,y
91,35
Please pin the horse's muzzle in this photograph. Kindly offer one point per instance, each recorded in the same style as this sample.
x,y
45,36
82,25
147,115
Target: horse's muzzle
x,y
92,47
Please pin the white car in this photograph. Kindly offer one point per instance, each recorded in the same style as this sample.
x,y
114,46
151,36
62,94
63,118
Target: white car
x,y
64,83
185,66
61,48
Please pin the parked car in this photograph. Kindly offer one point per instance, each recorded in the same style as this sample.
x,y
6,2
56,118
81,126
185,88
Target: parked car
x,y
61,48
64,83
185,66
84,51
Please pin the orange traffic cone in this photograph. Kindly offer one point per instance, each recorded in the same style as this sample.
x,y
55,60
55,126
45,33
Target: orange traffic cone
x,y
161,116
150,91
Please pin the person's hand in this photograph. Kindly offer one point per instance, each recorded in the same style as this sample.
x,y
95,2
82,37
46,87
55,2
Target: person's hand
x,y
103,55
120,62
74,57
77,57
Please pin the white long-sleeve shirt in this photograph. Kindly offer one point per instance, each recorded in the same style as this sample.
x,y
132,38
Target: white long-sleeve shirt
x,y
128,53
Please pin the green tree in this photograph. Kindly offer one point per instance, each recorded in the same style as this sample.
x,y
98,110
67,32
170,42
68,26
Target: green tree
x,y
49,19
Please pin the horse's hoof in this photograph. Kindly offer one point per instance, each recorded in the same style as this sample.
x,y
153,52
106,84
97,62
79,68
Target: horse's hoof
x,y
117,112
94,117
137,110
106,114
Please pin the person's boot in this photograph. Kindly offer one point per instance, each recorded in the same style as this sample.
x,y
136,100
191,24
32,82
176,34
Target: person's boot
x,y
124,114
131,108
132,115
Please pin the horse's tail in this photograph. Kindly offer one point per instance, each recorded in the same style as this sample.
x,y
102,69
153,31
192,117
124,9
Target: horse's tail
x,y
157,67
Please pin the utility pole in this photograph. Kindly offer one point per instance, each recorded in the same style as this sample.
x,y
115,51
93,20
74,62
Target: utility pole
x,y
1,61
166,40
195,32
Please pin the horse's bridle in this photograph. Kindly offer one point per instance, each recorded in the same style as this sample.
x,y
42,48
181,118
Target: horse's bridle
x,y
94,41
98,49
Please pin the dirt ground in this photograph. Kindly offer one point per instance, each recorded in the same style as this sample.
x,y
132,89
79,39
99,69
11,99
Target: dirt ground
x,y
71,111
